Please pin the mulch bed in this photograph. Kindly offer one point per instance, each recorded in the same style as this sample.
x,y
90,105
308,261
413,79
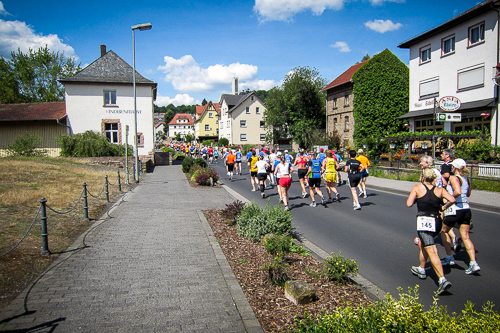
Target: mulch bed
x,y
274,312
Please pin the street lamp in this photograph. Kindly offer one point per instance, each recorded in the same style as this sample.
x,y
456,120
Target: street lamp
x,y
140,27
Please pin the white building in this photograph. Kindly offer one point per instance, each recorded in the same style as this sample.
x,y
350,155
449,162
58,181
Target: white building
x,y
457,58
182,124
101,98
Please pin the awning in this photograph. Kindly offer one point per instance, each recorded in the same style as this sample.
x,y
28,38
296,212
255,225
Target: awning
x,y
469,106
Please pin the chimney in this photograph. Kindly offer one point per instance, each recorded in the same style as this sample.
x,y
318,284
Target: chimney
x,y
103,49
235,86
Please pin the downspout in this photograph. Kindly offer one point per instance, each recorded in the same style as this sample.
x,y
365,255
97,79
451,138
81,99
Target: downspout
x,y
68,130
498,62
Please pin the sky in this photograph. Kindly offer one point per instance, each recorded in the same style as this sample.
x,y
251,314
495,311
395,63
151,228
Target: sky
x,y
195,47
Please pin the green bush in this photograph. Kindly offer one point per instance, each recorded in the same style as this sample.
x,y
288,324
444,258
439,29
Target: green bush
x,y
255,222
479,150
90,144
223,142
338,267
207,142
179,156
276,271
403,315
167,150
247,148
187,163
201,162
203,178
275,244
26,145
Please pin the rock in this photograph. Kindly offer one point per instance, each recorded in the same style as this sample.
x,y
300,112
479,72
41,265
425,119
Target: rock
x,y
299,292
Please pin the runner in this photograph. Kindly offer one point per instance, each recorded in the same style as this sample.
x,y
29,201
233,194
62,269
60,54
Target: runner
x,y
249,157
339,159
262,166
216,155
314,174
288,157
230,164
253,170
353,167
226,154
321,156
267,158
283,171
364,175
446,156
459,213
210,155
238,162
204,153
273,157
301,164
329,168
429,199
278,175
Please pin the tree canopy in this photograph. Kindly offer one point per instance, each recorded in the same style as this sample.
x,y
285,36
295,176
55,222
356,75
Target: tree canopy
x,y
297,108
32,76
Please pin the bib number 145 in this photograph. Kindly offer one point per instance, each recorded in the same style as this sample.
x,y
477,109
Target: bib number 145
x,y
426,223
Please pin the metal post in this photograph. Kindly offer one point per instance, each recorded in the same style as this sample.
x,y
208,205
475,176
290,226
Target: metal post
x,y
434,132
126,155
106,184
136,149
85,203
119,182
45,235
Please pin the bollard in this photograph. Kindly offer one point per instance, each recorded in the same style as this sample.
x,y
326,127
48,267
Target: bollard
x,y
119,182
45,235
106,184
85,203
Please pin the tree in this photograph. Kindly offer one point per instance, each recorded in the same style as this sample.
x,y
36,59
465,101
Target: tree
x,y
169,115
366,57
9,88
36,74
296,108
381,94
204,102
188,138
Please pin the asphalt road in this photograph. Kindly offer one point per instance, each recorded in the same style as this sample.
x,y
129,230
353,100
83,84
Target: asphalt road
x,y
380,238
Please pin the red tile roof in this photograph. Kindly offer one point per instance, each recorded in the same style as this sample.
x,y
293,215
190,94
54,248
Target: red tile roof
x,y
346,76
201,108
32,111
179,116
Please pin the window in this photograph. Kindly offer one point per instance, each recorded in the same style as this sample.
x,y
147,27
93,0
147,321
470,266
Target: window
x,y
252,98
243,137
207,127
257,110
425,54
140,139
221,125
248,109
470,78
335,125
111,132
243,123
335,103
262,123
429,88
210,115
109,97
346,124
228,124
262,137
476,34
448,45
346,100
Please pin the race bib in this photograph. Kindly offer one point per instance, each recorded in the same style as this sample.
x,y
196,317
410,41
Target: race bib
x,y
426,223
452,210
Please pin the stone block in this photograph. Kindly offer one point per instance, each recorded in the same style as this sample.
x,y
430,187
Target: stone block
x,y
299,292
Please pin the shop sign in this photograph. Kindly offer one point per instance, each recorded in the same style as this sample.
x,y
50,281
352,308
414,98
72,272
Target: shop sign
x,y
450,103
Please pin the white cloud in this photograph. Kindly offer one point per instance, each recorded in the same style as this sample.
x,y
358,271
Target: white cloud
x,y
3,11
18,35
257,85
179,99
342,46
186,75
284,10
382,26
381,2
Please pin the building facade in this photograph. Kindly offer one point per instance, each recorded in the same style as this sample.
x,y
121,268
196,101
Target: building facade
x,y
101,98
206,124
181,124
456,59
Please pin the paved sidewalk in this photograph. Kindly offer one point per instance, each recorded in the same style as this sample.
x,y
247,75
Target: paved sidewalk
x,y
154,266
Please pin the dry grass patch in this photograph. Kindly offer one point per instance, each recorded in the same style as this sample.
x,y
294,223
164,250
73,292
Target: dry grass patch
x,y
23,182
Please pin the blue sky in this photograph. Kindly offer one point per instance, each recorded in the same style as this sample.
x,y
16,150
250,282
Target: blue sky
x,y
195,48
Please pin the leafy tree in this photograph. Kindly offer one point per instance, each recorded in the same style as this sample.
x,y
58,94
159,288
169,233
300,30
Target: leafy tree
x,y
36,74
366,57
262,94
178,137
297,107
381,94
204,102
169,115
9,88
223,142
188,138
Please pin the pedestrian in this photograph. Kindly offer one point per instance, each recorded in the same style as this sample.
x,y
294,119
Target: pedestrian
x,y
337,156
238,162
364,175
262,167
249,157
429,199
354,168
277,175
459,214
253,170
284,170
314,176
301,164
210,155
329,169
216,155
230,159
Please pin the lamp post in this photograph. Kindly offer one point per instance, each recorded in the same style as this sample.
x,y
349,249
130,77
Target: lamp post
x,y
140,27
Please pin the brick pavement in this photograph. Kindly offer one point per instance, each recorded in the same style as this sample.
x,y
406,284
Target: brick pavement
x,y
152,266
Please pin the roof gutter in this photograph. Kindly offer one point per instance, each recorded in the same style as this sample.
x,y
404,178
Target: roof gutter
x,y
67,126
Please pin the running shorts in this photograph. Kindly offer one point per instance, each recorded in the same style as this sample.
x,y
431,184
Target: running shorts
x,y
239,162
285,181
364,174
262,176
463,216
427,237
330,177
354,179
230,167
302,173
254,174
314,182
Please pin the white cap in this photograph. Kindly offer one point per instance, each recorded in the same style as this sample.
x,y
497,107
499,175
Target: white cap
x,y
279,153
286,151
459,163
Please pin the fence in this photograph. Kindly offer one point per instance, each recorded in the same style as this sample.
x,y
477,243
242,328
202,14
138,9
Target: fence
x,y
84,196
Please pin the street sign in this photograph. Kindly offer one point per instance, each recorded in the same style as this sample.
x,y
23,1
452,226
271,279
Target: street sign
x,y
449,103
457,117
440,117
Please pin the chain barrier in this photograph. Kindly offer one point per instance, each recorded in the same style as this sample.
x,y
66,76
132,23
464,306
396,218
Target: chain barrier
x,y
97,196
71,209
25,235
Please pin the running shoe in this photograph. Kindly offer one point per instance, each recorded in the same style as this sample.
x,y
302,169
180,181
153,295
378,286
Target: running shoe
x,y
443,286
240,173
286,208
338,196
472,269
365,195
253,190
304,194
357,207
360,193
457,244
448,261
419,271
263,195
313,204
330,200
323,201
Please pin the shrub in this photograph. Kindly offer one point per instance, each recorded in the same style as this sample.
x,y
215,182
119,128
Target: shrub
x,y
276,271
90,144
201,162
275,244
167,150
255,222
26,145
232,211
337,267
187,163
203,178
223,142
403,315
213,173
207,142
179,156
195,171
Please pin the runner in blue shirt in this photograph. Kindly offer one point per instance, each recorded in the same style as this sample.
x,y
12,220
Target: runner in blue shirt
x,y
237,165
